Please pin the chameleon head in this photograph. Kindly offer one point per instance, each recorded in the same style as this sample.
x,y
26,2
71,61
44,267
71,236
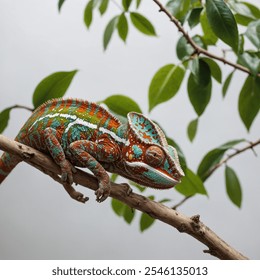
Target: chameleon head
x,y
148,157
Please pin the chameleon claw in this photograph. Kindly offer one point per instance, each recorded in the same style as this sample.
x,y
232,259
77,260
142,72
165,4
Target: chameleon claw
x,y
79,197
102,193
66,171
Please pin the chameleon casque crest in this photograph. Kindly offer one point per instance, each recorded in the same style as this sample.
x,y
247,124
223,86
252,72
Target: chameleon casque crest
x,y
81,133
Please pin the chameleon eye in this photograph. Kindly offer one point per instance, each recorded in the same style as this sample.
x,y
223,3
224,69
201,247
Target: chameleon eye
x,y
154,156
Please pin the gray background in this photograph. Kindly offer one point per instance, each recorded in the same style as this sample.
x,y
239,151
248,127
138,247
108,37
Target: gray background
x,y
38,220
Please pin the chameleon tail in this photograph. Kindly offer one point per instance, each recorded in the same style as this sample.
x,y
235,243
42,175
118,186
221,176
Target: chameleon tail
x,y
7,164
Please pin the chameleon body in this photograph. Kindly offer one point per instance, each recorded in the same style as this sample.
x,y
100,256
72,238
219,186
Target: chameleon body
x,y
81,133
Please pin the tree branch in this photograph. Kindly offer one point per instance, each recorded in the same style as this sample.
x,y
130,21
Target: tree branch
x,y
190,225
197,49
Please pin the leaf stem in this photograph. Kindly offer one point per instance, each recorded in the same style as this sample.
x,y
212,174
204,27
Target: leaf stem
x,y
197,49
181,202
116,4
22,107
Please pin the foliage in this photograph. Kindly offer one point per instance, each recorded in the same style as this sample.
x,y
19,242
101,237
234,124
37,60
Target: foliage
x,y
229,23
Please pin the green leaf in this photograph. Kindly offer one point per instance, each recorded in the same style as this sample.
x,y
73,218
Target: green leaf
x,y
138,2
109,30
165,200
165,84
4,118
129,214
253,33
122,27
121,104
126,4
222,22
88,13
191,184
61,2
213,157
248,103
53,86
255,11
122,210
243,20
194,17
142,24
118,207
182,158
246,12
178,8
192,129
194,65
199,88
146,221
233,186
241,44
227,83
214,69
103,6
251,61
209,36
241,9
183,49
113,177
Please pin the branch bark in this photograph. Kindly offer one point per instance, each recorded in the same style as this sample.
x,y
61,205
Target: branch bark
x,y
189,225
197,49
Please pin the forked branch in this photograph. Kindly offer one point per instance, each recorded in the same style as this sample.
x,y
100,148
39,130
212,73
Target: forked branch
x,y
190,225
197,49
250,146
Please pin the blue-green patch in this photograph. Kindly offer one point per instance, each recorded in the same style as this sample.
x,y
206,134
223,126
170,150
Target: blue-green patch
x,y
137,151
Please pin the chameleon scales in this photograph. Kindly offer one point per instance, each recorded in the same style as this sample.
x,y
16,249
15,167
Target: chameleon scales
x,y
81,133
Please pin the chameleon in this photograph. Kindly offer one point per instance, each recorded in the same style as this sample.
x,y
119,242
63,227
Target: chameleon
x,y
80,133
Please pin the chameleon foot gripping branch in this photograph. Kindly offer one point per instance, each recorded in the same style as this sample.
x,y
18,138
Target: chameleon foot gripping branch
x,y
81,133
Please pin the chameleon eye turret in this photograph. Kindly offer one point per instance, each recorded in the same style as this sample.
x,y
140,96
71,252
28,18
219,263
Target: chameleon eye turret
x,y
154,156
148,159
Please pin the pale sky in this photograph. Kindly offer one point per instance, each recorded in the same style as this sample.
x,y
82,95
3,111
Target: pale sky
x,y
38,219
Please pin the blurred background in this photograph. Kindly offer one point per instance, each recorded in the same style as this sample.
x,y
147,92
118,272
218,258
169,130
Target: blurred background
x,y
38,220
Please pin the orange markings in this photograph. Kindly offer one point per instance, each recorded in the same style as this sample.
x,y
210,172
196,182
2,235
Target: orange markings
x,y
68,104
53,104
92,110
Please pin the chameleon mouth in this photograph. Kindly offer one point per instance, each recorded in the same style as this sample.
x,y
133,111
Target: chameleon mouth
x,y
155,176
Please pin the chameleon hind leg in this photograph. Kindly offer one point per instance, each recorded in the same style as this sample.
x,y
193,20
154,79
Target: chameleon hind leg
x,y
89,153
67,169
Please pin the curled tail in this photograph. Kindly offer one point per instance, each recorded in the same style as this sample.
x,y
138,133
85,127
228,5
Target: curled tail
x,y
7,164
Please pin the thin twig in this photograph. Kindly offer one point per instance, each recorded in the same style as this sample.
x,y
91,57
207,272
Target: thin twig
x,y
237,152
116,4
22,107
189,225
199,50
224,161
181,202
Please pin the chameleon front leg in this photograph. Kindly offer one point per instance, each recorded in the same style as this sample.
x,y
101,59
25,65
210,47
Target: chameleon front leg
x,y
67,169
88,153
